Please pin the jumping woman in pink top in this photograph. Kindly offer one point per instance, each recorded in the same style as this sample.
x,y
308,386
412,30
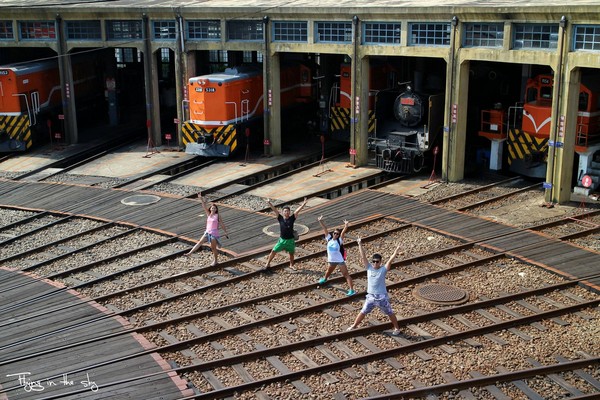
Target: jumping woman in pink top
x,y
213,220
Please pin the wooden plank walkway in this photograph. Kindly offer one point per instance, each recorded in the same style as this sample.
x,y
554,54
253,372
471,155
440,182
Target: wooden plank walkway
x,y
32,326
249,230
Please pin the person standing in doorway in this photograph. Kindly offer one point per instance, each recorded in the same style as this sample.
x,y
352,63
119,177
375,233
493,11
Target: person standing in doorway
x,y
377,295
287,240
211,235
336,255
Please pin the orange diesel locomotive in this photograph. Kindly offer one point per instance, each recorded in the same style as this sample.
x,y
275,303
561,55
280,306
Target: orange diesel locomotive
x,y
26,90
224,107
30,96
528,146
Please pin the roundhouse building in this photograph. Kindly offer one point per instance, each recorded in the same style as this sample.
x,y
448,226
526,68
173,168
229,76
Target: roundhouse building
x,y
458,85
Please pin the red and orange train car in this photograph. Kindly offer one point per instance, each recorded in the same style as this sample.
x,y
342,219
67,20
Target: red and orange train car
x,y
26,90
528,146
31,99
226,107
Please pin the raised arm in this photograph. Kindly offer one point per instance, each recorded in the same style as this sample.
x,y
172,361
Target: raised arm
x,y
343,233
361,253
325,231
273,208
388,265
203,201
300,208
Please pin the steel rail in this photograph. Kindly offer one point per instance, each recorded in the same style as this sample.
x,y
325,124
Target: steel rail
x,y
233,261
268,181
479,240
181,164
35,230
84,267
584,232
390,181
24,220
288,292
495,379
372,356
272,170
6,157
475,190
56,242
141,265
342,335
293,314
83,248
76,160
496,198
163,280
70,253
576,218
324,192
127,253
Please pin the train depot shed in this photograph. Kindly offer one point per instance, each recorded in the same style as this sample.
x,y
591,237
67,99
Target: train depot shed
x,y
509,86
118,117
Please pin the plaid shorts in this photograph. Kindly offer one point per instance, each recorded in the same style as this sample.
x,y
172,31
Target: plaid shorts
x,y
382,301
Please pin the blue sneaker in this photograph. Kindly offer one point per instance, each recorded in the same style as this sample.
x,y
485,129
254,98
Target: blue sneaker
x,y
322,281
350,292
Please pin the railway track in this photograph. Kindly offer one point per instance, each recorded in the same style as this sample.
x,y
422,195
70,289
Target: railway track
x,y
233,330
230,192
580,226
483,195
66,163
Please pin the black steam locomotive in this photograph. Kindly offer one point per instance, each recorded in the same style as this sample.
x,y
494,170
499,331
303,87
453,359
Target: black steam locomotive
x,y
401,142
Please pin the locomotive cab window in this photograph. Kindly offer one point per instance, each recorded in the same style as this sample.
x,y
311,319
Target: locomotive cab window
x,y
532,95
584,100
546,92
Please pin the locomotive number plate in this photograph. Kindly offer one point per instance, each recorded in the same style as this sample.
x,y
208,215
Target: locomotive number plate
x,y
407,101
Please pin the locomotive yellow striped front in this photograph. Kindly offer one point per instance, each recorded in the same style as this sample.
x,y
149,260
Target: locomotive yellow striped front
x,y
15,133
527,154
226,135
340,120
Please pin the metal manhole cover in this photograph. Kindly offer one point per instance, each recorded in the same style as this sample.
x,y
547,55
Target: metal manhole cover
x,y
441,294
140,200
273,229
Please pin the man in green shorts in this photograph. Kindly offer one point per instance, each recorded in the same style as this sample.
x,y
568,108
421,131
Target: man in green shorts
x,y
286,241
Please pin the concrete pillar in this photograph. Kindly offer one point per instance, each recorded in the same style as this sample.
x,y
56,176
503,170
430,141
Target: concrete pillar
x,y
151,87
68,125
458,121
361,104
155,99
556,140
272,106
452,164
181,77
564,151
